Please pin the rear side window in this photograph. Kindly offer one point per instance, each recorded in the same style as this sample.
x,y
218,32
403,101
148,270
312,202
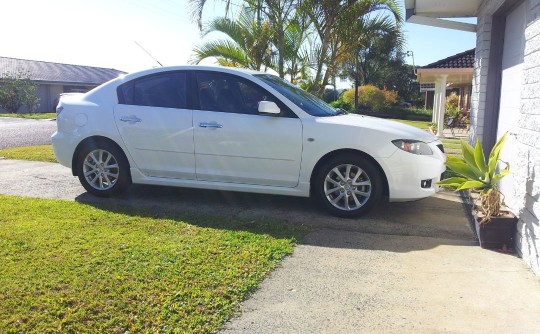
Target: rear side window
x,y
165,90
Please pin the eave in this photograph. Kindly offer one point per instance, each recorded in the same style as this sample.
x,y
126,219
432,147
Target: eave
x,y
433,12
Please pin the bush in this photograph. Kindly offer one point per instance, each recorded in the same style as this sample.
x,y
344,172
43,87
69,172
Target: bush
x,y
371,97
391,97
452,105
17,91
340,103
329,95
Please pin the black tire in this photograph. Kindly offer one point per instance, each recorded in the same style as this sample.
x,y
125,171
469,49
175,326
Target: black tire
x,y
103,169
352,195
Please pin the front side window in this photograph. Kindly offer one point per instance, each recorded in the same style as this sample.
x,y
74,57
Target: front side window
x,y
304,100
165,90
232,94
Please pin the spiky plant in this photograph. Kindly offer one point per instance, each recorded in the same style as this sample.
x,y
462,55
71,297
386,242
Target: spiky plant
x,y
476,173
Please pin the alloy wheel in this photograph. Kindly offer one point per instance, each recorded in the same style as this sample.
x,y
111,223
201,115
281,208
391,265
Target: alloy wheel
x,y
101,170
347,187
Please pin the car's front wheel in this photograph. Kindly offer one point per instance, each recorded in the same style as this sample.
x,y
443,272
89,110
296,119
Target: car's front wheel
x,y
103,169
348,186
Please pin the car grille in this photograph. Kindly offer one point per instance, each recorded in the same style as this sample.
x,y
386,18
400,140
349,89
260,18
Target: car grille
x,y
440,146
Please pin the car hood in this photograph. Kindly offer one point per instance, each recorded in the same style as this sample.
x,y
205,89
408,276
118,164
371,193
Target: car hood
x,y
392,128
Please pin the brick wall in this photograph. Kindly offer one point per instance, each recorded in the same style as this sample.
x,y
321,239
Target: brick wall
x,y
527,171
525,165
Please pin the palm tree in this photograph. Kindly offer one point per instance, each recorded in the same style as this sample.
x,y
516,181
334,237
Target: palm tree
x,y
275,14
377,42
334,23
295,52
248,44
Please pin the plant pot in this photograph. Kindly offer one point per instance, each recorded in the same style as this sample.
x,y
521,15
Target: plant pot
x,y
498,232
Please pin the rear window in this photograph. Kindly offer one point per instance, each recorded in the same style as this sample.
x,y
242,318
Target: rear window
x,y
164,90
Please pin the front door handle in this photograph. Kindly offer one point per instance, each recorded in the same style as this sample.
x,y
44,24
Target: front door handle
x,y
132,119
210,125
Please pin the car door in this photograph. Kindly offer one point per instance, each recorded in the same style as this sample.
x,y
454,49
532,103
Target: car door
x,y
156,125
234,143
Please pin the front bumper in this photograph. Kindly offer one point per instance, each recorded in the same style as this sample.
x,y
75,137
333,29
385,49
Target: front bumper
x,y
411,177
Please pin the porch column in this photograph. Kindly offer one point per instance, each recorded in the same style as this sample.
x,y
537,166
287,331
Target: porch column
x,y
439,103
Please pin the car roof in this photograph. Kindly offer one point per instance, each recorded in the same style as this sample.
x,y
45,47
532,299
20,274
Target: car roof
x,y
221,69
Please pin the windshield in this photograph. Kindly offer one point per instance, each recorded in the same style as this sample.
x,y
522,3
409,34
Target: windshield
x,y
304,100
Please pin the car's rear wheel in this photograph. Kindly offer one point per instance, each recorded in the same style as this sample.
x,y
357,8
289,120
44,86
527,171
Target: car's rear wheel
x,y
103,169
348,186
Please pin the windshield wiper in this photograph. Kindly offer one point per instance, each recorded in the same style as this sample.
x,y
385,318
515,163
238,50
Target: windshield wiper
x,y
340,112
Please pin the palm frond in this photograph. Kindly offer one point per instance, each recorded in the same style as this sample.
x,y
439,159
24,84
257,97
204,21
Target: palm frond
x,y
225,51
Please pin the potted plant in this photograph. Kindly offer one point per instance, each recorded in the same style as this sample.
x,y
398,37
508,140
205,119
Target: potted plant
x,y
495,227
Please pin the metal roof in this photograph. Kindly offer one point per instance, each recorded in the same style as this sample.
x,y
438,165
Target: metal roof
x,y
461,60
43,71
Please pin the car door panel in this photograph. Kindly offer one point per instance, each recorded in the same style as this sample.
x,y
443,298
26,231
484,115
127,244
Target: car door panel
x,y
161,143
252,149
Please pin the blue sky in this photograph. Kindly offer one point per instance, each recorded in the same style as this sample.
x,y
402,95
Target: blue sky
x,y
102,33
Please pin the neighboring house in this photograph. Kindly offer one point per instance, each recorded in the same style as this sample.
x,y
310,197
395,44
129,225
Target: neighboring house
x,y
452,75
505,95
53,79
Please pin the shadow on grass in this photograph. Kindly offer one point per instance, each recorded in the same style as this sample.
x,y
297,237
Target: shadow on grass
x,y
438,218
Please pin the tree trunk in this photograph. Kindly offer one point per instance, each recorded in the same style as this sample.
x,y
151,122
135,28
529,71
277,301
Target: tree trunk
x,y
281,49
356,79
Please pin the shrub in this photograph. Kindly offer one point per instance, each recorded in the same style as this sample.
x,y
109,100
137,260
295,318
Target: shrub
x,y
390,96
452,104
371,97
329,95
340,103
16,91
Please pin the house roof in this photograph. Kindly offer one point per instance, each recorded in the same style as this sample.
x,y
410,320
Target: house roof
x,y
43,71
461,60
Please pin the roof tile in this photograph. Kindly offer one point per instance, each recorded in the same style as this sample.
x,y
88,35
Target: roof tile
x,y
461,60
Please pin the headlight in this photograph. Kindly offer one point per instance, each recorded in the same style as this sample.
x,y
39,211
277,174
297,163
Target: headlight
x,y
413,146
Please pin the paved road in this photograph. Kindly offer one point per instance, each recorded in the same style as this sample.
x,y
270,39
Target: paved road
x,y
25,132
405,268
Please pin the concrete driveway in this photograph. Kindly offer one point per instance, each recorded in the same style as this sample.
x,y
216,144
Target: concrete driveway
x,y
406,267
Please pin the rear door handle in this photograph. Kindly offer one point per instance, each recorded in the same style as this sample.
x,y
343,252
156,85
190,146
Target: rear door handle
x,y
210,125
132,119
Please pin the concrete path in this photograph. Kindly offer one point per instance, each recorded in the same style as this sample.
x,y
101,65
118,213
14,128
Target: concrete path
x,y
405,268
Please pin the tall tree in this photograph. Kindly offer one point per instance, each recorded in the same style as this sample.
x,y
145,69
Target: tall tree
x,y
401,77
295,52
248,44
378,43
278,13
333,22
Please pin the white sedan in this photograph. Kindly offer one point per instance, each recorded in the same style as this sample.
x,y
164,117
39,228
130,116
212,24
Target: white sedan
x,y
239,130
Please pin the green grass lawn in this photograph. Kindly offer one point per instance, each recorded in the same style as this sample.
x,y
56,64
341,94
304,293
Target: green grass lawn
x,y
74,268
418,124
47,115
33,153
451,146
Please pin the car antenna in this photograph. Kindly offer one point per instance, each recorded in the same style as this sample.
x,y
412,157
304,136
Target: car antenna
x,y
148,53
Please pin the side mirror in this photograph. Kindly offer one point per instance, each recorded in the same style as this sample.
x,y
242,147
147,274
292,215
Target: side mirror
x,y
268,107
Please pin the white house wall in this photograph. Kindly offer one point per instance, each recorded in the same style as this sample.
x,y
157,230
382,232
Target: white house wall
x,y
527,171
525,156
